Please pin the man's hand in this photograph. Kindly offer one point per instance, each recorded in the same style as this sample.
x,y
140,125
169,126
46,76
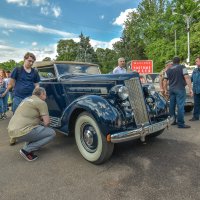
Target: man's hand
x,y
4,94
162,91
191,92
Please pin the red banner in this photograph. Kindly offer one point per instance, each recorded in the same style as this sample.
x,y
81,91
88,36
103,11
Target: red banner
x,y
142,66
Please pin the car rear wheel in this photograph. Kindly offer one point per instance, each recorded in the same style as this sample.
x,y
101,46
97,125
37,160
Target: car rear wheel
x,y
91,142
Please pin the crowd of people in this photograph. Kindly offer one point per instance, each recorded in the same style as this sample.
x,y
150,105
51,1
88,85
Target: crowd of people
x,y
173,80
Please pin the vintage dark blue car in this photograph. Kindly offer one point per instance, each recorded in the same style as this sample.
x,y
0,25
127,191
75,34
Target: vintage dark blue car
x,y
100,109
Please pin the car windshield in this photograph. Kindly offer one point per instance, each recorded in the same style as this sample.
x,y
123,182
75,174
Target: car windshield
x,y
77,69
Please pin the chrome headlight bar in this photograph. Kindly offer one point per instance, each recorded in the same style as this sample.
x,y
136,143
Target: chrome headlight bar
x,y
121,91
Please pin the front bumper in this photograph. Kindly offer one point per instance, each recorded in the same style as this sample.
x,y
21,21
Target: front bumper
x,y
140,132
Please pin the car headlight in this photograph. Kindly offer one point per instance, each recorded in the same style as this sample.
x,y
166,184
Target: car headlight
x,y
123,92
151,89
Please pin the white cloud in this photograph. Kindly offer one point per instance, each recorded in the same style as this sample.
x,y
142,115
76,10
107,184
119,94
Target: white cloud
x,y
28,2
9,52
18,2
56,11
101,17
7,32
40,2
46,8
105,2
34,44
123,16
8,24
100,44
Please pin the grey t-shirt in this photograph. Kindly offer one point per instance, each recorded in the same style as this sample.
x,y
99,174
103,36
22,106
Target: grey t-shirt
x,y
175,75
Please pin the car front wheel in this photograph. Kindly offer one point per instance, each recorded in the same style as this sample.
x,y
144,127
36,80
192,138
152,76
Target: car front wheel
x,y
91,142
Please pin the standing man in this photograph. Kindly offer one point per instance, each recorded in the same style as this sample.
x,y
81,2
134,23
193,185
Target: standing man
x,y
178,78
25,124
196,90
120,69
168,64
23,80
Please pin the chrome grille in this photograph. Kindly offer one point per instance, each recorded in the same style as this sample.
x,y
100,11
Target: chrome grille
x,y
55,122
136,99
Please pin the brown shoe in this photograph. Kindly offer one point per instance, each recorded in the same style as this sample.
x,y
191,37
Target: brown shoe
x,y
12,141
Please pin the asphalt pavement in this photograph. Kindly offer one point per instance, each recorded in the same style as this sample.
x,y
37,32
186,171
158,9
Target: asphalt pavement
x,y
165,168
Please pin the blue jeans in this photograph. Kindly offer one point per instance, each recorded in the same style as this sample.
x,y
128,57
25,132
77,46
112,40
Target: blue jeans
x,y
177,98
16,102
37,138
4,104
196,111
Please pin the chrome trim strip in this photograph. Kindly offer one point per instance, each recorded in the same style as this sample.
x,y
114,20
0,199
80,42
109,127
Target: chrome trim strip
x,y
141,132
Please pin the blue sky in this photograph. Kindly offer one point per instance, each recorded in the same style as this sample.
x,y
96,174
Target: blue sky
x,y
38,25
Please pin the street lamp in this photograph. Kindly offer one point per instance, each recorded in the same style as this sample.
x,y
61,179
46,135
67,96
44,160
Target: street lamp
x,y
188,19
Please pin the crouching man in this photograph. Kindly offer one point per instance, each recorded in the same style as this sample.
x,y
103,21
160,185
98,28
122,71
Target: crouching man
x,y
25,125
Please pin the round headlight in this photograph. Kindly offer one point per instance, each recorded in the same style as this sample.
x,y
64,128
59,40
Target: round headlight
x,y
151,89
123,92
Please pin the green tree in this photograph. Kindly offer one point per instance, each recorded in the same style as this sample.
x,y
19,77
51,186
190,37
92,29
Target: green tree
x,y
86,52
67,50
107,59
9,65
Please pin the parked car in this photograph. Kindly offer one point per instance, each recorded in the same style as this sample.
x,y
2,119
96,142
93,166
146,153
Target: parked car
x,y
154,79
100,109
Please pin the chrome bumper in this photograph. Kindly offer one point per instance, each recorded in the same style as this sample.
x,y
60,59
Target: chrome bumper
x,y
140,132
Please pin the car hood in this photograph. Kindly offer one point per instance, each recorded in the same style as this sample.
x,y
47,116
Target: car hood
x,y
99,77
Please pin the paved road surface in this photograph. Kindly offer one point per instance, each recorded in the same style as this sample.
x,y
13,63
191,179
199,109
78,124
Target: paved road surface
x,y
167,168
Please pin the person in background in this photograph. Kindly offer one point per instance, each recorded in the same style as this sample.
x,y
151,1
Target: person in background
x,y
23,80
120,69
3,98
178,78
196,90
168,64
25,125
9,94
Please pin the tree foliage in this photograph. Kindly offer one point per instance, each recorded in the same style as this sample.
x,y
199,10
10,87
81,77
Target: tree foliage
x,y
151,30
148,33
67,50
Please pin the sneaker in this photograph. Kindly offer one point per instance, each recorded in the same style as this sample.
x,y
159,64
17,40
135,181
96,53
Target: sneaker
x,y
184,126
193,119
4,116
12,141
28,156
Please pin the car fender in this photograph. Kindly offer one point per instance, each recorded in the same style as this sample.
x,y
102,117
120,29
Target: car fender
x,y
106,115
